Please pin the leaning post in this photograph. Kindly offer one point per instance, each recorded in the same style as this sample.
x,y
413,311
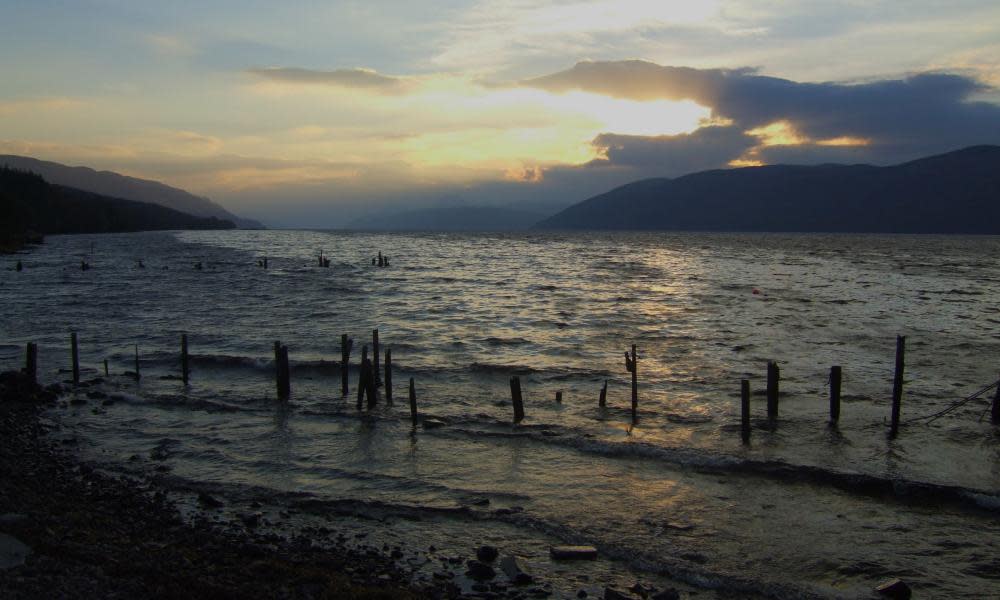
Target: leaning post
x,y
897,384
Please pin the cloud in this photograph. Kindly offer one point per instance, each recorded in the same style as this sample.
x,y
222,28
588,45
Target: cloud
x,y
31,105
672,155
882,120
348,78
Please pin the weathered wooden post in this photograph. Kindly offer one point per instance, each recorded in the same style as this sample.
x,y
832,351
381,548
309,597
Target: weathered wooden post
x,y
413,403
363,376
286,374
745,410
345,359
137,374
631,367
375,370
559,397
897,384
773,376
516,399
31,362
602,401
835,375
995,410
185,364
75,352
388,375
106,373
370,384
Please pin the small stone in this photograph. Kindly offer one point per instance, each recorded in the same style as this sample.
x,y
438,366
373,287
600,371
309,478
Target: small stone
x,y
397,554
637,588
895,589
487,553
581,594
479,570
573,552
515,570
209,501
613,594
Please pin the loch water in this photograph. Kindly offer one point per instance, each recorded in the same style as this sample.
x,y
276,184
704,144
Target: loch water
x,y
805,509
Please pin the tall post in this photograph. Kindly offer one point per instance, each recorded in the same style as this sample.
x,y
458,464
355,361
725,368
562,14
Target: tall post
x,y
363,376
277,367
773,376
602,401
137,375
835,375
286,374
897,384
75,352
388,375
413,403
345,359
370,384
745,410
516,399
31,362
995,410
185,365
632,367
375,370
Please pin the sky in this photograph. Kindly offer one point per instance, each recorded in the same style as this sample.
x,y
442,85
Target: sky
x,y
318,113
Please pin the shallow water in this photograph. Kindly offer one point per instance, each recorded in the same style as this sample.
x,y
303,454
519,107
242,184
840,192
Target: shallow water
x,y
802,509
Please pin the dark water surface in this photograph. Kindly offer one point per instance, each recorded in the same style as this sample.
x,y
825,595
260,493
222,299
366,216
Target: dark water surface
x,y
803,510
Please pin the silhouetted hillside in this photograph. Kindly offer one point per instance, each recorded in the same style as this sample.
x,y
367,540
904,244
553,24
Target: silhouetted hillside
x,y
958,192
107,183
29,206
463,218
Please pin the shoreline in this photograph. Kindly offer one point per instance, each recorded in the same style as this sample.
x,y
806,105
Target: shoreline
x,y
90,534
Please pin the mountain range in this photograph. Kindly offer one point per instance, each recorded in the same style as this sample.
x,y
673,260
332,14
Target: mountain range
x,y
957,192
115,185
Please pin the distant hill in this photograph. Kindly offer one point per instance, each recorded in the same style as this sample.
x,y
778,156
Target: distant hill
x,y
958,192
464,218
107,183
29,206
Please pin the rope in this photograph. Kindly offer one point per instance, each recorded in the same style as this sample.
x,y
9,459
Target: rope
x,y
933,416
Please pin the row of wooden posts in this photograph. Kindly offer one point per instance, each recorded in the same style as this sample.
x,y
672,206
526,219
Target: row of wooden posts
x,y
369,378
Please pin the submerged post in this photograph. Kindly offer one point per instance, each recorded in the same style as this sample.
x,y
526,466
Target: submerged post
x,y
515,398
631,367
75,352
286,374
375,370
995,410
345,359
31,361
773,376
185,366
106,367
137,375
413,403
897,384
835,375
745,410
559,397
602,401
388,375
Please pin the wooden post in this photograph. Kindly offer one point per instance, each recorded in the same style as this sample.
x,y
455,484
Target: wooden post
x,y
345,359
286,374
897,384
370,383
603,400
773,376
137,375
31,362
75,352
516,399
185,366
363,376
559,397
835,375
376,375
413,403
995,410
745,410
388,375
632,367
106,373
277,368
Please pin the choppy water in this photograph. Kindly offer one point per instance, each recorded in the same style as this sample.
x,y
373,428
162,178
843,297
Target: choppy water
x,y
805,509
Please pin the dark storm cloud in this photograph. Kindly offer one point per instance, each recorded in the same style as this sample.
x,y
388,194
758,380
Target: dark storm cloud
x,y
704,148
907,117
352,78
